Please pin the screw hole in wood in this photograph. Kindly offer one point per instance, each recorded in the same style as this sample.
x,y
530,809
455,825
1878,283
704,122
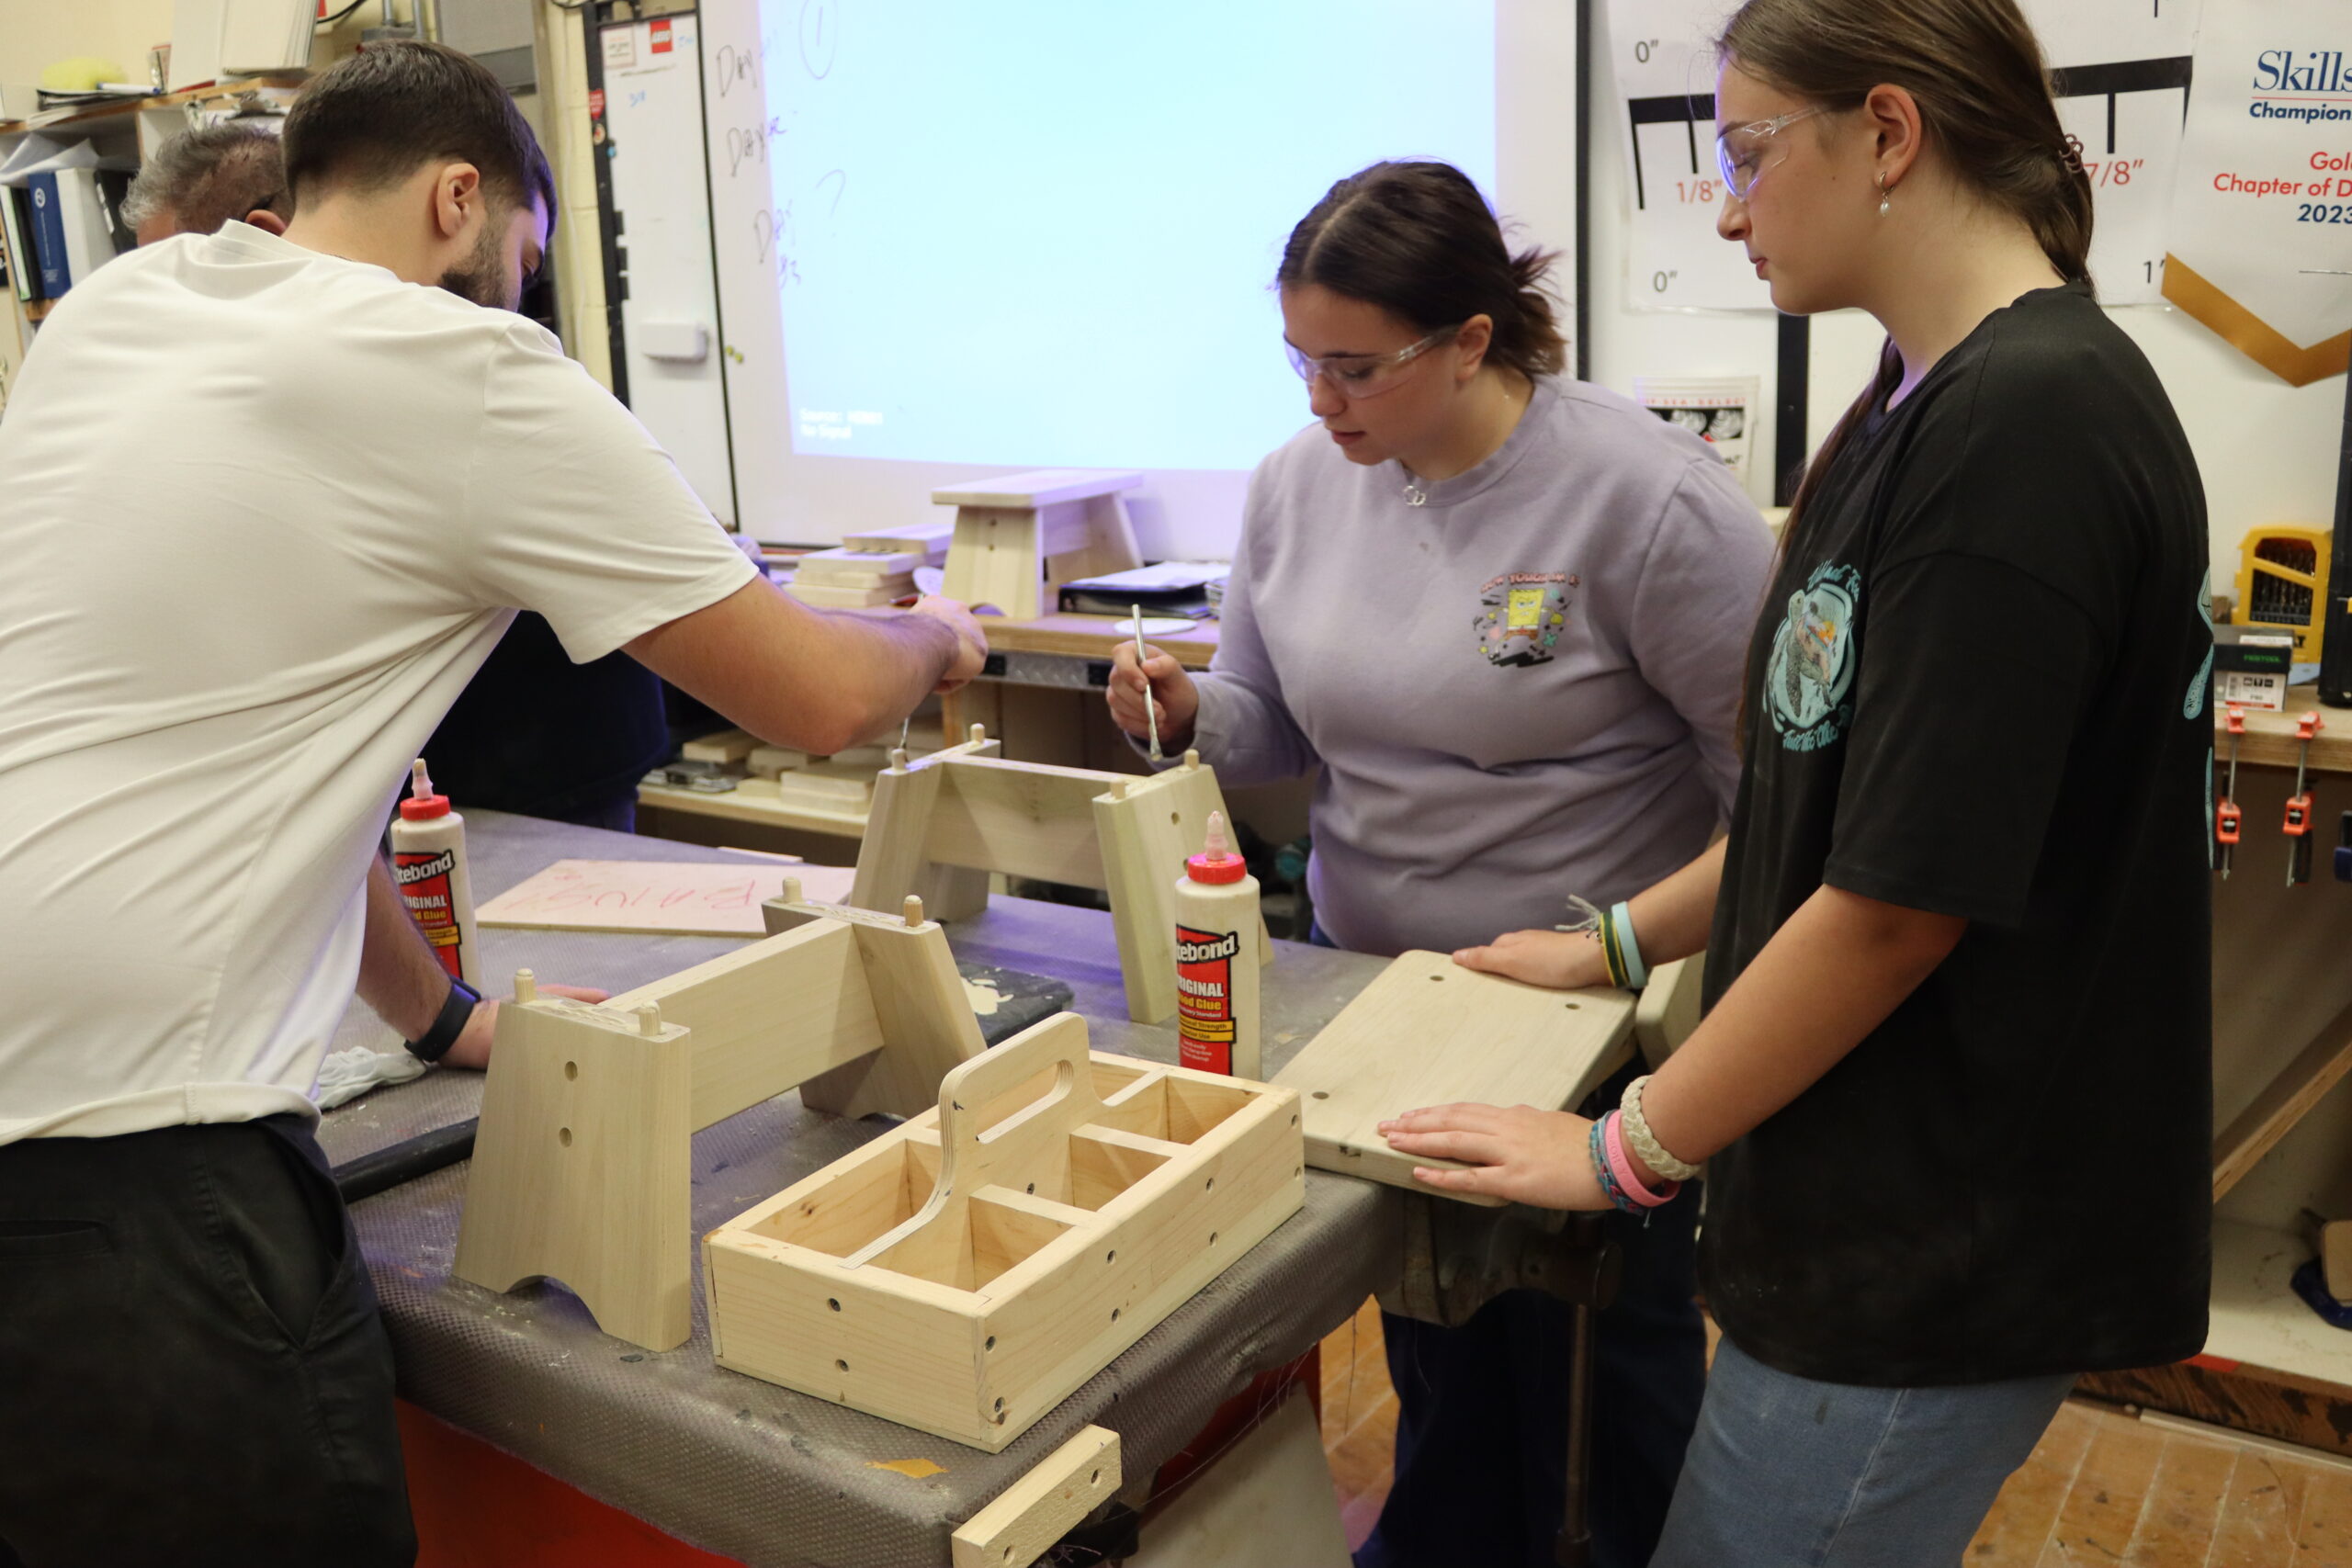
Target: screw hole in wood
x,y
563,1136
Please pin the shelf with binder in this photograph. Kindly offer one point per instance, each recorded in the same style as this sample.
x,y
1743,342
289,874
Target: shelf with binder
x,y
74,226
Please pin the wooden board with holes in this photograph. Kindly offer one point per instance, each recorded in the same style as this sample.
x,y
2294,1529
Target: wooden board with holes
x,y
1429,1032
656,897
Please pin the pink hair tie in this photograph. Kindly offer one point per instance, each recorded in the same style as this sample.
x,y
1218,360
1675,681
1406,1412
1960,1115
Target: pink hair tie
x,y
1622,1167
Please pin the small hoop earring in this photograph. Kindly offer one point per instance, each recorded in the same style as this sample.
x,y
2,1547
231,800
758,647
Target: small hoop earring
x,y
1884,201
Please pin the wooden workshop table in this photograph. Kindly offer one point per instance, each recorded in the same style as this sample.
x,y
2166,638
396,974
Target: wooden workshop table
x,y
760,1473
1043,699
2282,1110
1042,694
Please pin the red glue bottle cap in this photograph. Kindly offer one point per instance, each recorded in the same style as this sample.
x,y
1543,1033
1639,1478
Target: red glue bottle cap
x,y
1216,862
422,804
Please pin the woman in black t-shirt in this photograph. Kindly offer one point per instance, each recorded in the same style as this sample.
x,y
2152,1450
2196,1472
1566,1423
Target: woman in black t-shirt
x,y
1953,1085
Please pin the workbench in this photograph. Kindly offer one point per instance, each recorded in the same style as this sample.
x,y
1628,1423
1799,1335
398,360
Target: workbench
x,y
2282,1105
1041,697
745,1468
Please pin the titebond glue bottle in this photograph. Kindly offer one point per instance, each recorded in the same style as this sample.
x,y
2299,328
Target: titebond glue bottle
x,y
429,863
1216,960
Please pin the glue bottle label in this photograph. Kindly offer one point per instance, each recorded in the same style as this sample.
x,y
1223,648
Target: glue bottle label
x,y
424,879
1204,997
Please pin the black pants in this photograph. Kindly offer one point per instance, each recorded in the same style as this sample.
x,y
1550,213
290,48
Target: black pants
x,y
1482,1424
192,1368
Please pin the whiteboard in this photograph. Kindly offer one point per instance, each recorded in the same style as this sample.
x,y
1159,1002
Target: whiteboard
x,y
669,316
787,186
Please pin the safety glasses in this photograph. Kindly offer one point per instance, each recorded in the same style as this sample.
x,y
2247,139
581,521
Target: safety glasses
x,y
1363,374
1741,149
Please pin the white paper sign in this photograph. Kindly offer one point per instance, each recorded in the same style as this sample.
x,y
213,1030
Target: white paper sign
x,y
1663,52
1718,409
2265,188
2121,69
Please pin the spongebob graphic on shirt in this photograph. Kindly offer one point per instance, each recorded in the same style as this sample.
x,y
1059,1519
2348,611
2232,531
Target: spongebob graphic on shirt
x,y
1809,680
1521,617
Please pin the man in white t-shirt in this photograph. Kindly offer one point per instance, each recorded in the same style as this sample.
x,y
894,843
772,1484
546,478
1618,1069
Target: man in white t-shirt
x,y
268,502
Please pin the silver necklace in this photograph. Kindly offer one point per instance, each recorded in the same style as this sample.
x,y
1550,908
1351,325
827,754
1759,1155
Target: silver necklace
x,y
1414,494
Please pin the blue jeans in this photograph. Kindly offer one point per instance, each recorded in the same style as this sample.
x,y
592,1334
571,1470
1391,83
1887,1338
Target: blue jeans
x,y
1787,1472
1482,1424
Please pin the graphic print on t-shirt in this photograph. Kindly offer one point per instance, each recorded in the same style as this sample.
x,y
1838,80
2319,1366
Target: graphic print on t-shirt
x,y
2193,708
1521,615
1812,671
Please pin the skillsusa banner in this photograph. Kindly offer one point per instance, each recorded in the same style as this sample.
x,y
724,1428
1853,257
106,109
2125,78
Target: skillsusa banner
x,y
2262,213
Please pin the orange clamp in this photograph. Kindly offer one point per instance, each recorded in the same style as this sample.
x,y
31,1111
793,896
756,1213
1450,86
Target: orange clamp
x,y
2235,718
2299,816
2310,724
2227,822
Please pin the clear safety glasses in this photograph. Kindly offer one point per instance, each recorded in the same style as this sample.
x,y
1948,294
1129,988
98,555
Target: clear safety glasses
x,y
1363,374
1741,149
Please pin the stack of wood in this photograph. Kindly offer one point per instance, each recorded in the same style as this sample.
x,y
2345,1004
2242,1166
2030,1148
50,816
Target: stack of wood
x,y
929,540
846,579
843,782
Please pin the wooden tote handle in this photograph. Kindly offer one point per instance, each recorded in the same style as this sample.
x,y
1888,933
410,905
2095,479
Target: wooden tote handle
x,y
970,1157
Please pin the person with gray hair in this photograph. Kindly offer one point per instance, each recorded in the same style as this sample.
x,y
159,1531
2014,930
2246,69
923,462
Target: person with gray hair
x,y
203,178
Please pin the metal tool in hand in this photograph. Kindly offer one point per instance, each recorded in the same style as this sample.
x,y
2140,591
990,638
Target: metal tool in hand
x,y
1150,708
2298,805
2228,820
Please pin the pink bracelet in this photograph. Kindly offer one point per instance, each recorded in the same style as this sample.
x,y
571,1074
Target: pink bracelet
x,y
1614,1140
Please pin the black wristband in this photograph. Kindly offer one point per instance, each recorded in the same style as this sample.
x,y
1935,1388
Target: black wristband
x,y
447,1025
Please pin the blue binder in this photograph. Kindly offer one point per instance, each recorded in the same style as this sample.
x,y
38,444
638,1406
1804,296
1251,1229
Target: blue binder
x,y
49,236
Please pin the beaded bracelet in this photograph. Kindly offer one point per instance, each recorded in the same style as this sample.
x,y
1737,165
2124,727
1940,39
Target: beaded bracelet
x,y
1615,1194
1644,1143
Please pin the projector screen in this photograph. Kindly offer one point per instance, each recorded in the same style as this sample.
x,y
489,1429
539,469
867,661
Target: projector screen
x,y
958,241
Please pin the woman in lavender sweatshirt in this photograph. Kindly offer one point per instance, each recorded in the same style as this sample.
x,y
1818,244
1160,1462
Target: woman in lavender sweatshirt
x,y
1504,613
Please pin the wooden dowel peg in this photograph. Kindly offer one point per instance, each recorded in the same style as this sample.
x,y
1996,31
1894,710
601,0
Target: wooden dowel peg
x,y
1192,761
913,911
1118,789
979,733
526,985
898,758
792,890
649,1021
